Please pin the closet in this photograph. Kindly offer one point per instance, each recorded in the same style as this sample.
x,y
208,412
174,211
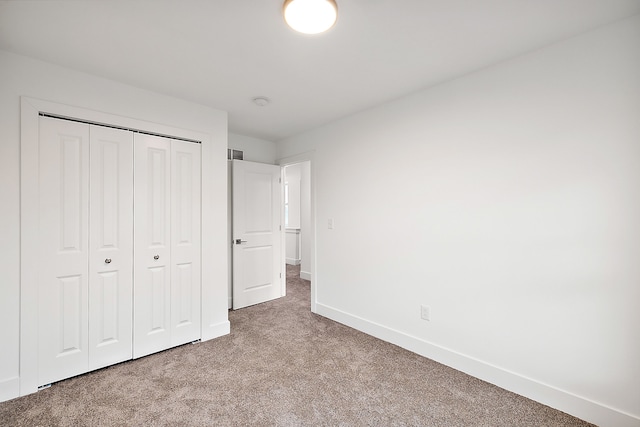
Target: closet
x,y
119,246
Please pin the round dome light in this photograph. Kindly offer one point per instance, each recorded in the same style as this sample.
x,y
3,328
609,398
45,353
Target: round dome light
x,y
310,16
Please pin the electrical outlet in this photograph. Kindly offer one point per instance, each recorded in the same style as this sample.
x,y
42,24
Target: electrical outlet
x,y
425,312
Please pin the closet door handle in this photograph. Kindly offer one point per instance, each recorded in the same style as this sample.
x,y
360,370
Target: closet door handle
x,y
107,261
156,257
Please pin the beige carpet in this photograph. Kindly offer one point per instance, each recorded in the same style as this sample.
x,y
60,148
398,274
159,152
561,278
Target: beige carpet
x,y
280,366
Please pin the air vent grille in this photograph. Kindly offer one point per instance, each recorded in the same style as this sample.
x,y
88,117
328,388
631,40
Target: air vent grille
x,y
235,154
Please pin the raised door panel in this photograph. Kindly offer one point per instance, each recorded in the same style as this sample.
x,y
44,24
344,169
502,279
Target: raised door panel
x,y
185,235
152,242
64,249
111,247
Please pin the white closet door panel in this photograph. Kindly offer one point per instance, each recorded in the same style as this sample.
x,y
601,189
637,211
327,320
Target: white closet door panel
x,y
111,247
185,241
64,250
152,271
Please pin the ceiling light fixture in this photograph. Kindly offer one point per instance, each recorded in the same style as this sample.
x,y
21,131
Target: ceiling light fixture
x,y
310,16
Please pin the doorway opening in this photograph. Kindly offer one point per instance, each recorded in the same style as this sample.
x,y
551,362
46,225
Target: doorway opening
x,y
299,219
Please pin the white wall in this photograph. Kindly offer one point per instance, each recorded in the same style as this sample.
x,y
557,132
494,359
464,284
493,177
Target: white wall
x,y
23,76
305,220
255,149
508,201
292,176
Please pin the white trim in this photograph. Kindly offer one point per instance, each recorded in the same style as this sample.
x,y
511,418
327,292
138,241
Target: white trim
x,y
79,113
283,264
9,388
570,403
29,134
305,275
300,158
216,330
29,143
229,234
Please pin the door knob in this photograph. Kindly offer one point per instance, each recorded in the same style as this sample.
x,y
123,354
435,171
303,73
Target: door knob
x,y
107,261
156,257
240,241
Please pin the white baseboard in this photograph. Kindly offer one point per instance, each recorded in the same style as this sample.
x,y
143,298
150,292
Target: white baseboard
x,y
9,388
216,330
305,275
564,401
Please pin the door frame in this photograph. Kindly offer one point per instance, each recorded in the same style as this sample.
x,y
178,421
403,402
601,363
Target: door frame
x,y
30,110
308,156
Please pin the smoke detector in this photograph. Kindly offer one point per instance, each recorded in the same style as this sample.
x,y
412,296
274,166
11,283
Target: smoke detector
x,y
261,101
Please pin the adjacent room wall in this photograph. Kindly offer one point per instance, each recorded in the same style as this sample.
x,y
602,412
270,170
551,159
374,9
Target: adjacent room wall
x,y
305,220
292,178
293,208
21,76
508,202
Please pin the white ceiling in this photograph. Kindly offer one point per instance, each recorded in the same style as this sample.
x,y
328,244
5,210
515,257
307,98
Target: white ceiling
x,y
222,53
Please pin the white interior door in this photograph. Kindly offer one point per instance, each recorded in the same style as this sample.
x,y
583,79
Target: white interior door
x,y
257,235
185,242
64,250
152,270
111,246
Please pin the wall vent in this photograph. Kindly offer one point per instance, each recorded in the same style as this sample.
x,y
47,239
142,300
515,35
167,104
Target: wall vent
x,y
235,154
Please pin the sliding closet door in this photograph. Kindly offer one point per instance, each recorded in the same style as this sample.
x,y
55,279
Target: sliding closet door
x,y
185,242
152,271
64,250
111,246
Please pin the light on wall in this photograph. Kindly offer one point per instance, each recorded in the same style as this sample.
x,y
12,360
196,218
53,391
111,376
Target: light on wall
x,y
310,16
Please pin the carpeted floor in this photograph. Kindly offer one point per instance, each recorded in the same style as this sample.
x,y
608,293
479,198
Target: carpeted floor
x,y
280,366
